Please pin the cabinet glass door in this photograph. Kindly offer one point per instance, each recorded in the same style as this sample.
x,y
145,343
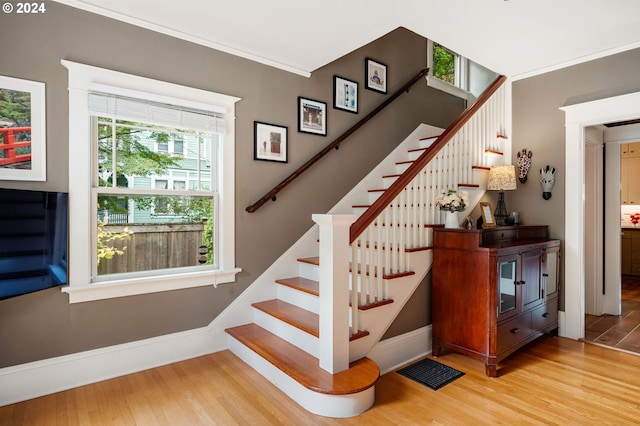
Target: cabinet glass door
x,y
507,285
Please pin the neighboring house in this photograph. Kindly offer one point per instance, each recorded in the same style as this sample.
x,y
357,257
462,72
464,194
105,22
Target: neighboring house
x,y
44,329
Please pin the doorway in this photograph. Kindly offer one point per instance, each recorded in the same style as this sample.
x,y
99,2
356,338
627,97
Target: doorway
x,y
577,119
613,309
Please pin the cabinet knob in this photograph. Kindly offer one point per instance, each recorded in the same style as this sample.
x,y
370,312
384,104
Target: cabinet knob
x,y
546,314
515,330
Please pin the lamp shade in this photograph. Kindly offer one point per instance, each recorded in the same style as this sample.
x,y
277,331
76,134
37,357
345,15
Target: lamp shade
x,y
502,178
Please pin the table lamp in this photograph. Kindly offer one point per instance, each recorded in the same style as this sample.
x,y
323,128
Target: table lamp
x,y
501,178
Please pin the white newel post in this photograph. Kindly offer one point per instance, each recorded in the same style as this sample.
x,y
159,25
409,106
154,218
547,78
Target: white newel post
x,y
334,290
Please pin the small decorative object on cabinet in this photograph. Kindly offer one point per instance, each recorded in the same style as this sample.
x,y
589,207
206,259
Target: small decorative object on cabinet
x,y
451,202
493,290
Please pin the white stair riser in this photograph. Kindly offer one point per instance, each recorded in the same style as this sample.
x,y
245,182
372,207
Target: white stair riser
x,y
373,196
291,334
426,143
388,181
339,406
298,298
309,271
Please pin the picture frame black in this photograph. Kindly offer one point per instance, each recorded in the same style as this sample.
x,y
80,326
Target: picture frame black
x,y
345,94
312,116
270,142
375,75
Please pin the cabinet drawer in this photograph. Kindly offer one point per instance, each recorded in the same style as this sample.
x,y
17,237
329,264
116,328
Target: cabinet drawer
x,y
492,236
545,316
513,331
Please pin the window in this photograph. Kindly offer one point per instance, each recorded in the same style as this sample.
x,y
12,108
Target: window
x,y
125,136
455,74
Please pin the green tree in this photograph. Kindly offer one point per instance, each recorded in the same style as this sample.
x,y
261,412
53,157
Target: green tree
x,y
444,64
15,107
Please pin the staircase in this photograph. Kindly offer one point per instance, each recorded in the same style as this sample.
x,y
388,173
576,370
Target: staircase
x,y
318,312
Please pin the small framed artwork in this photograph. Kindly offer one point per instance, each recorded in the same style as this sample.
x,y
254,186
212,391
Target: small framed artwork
x,y
22,130
312,116
488,221
375,74
269,142
345,94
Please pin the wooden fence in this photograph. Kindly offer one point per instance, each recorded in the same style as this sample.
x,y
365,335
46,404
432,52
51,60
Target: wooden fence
x,y
154,246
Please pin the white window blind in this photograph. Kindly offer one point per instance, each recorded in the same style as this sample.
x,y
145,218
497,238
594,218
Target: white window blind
x,y
124,108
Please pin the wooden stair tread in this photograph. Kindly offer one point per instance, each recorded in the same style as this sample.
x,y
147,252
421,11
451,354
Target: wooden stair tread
x,y
302,284
316,261
304,368
300,318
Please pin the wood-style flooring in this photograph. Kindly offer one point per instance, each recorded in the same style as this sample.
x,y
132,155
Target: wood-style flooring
x,y
551,381
619,331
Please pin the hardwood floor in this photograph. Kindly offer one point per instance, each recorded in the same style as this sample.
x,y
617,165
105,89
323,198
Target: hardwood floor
x,y
619,331
551,381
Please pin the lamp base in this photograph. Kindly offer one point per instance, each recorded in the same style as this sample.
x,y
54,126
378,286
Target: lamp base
x,y
501,213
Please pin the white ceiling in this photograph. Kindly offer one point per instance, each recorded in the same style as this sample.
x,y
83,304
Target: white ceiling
x,y
517,38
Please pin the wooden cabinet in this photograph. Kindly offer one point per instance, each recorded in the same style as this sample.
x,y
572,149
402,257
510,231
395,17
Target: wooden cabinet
x,y
494,290
631,251
630,173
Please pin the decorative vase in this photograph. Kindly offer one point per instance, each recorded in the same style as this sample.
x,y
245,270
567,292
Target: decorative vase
x,y
451,220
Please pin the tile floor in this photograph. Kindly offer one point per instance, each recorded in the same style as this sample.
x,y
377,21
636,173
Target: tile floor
x,y
619,331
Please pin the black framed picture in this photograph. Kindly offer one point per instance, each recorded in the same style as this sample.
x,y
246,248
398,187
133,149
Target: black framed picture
x,y
345,94
269,142
312,116
375,75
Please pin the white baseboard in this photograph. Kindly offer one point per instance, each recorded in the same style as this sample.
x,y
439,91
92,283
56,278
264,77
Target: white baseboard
x,y
34,379
39,378
393,353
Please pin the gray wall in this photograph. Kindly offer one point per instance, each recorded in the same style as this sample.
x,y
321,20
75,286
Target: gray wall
x,y
44,324
538,125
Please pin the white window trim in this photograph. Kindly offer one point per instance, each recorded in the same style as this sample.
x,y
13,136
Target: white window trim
x,y
84,78
436,83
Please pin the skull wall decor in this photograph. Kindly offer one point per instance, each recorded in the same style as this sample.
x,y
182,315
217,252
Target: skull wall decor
x,y
524,163
547,179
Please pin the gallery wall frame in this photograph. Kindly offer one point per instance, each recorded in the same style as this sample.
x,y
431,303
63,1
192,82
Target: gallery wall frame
x,y
270,142
22,130
345,94
375,75
312,116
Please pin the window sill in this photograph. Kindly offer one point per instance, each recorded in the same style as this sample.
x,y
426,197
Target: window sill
x,y
436,83
131,287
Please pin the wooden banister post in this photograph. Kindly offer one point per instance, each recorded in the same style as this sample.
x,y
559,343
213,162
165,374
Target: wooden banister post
x,y
334,291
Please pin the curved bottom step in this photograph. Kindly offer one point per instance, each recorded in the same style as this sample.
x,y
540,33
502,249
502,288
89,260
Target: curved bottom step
x,y
299,375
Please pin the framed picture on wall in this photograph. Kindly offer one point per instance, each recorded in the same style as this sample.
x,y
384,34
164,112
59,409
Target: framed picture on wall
x,y
269,142
312,116
375,75
345,94
22,130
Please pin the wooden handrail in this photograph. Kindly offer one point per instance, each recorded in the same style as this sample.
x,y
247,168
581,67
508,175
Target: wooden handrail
x,y
271,195
420,163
